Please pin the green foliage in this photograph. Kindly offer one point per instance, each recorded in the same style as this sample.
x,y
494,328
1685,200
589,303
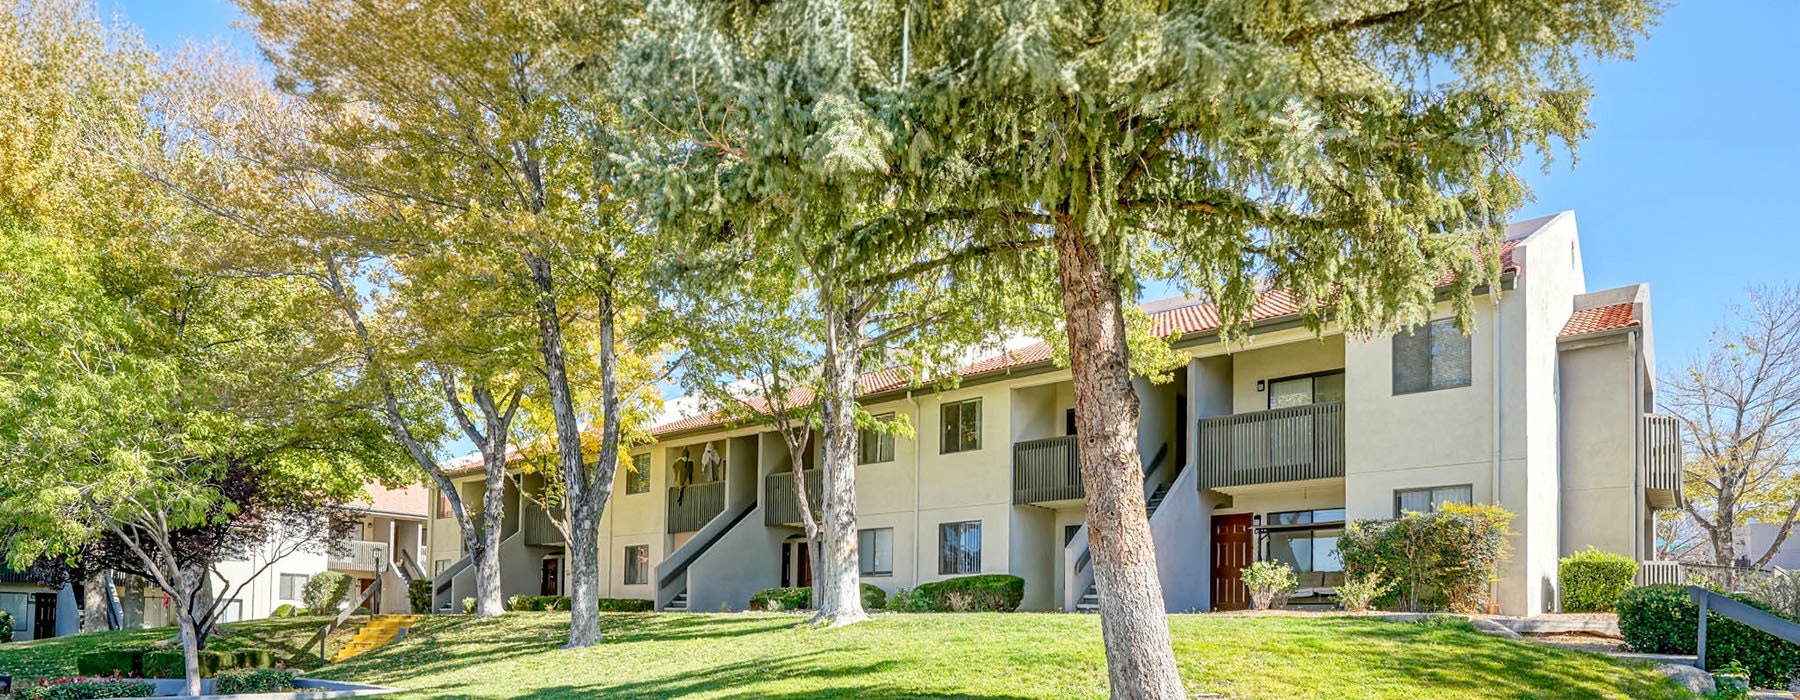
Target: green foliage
x,y
325,591
626,605
468,606
519,602
1437,561
284,610
1269,582
168,663
256,658
1664,620
781,599
983,593
1592,580
418,595
76,689
537,603
6,627
1357,592
254,680
112,662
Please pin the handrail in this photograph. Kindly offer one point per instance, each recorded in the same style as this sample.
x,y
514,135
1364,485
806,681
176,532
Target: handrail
x,y
408,568
1768,622
344,615
679,560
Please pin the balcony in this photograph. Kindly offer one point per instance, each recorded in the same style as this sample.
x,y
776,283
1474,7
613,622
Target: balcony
x,y
1046,470
358,555
691,508
539,530
1273,446
1662,461
779,505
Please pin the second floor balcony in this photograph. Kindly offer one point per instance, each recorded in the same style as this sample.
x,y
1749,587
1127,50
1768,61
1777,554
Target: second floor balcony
x,y
692,507
779,505
1046,470
1274,446
539,529
1661,455
358,555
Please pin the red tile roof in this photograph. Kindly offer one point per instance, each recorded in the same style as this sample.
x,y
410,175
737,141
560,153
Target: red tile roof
x,y
1598,319
409,500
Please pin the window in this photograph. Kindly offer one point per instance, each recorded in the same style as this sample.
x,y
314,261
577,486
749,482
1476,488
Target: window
x,y
1306,390
1429,500
637,476
19,604
962,426
1069,533
292,586
637,564
443,506
959,548
1431,357
1069,422
438,567
876,550
874,446
232,612
1306,549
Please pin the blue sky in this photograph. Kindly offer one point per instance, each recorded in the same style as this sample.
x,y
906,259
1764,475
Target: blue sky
x,y
1688,181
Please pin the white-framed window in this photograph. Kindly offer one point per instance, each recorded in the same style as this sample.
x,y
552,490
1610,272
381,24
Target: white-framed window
x,y
962,426
1434,356
19,605
637,476
293,586
438,567
637,564
233,611
874,446
959,547
875,549
1429,500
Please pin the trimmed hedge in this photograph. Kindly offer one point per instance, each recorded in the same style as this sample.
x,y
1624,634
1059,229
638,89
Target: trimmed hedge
x,y
256,658
779,599
418,595
72,689
626,605
1593,581
1663,620
170,664
284,610
167,663
6,627
984,593
538,603
121,662
254,680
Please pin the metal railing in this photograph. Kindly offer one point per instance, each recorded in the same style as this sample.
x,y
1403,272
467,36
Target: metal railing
x,y
1046,470
539,529
1706,600
1273,446
692,507
359,555
779,505
1661,573
1662,452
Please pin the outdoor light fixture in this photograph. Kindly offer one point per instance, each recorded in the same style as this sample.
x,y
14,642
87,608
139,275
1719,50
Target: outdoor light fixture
x,y
1259,384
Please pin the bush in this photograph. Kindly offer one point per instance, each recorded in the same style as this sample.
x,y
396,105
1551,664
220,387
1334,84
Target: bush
x,y
984,593
254,680
283,610
1592,580
6,627
1269,582
255,658
873,598
86,689
325,591
626,605
115,662
518,602
1356,592
1435,561
418,594
468,606
1663,620
779,599
562,604
169,663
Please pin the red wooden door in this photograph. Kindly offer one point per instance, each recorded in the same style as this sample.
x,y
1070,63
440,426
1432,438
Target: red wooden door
x,y
1232,550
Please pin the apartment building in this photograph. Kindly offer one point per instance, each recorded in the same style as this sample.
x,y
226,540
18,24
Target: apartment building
x,y
1258,449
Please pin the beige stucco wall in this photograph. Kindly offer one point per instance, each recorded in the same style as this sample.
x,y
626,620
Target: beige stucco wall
x,y
1600,499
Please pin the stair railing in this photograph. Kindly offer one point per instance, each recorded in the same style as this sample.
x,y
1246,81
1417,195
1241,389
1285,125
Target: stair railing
x,y
1775,625
1081,573
344,615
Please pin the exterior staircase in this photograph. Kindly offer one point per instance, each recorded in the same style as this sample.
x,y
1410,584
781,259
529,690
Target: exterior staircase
x,y
380,631
679,604
1090,599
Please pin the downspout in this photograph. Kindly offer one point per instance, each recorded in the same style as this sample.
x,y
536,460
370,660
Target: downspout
x,y
1499,405
917,449
1637,448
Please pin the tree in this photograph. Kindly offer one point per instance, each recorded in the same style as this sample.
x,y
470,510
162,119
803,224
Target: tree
x,y
1349,153
1739,408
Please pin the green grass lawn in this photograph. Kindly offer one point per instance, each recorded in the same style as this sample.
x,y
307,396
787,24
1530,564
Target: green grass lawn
x,y
987,657
290,638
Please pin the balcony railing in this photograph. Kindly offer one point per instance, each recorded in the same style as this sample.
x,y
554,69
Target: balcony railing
x,y
359,555
1652,573
692,507
779,505
1662,459
1046,470
1273,446
539,529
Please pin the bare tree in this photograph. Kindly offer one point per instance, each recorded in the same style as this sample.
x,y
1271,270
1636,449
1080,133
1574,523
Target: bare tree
x,y
1739,406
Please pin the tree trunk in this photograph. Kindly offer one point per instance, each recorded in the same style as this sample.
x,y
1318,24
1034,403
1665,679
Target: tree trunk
x,y
584,583
839,586
1140,659
796,444
132,601
488,598
187,591
96,607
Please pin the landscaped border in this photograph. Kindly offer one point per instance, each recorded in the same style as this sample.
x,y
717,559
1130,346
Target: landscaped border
x,y
304,689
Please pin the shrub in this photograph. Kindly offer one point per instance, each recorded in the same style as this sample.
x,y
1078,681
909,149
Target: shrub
x,y
626,605
1269,582
518,602
418,594
562,604
283,610
86,689
254,680
325,591
256,658
6,627
1592,580
468,606
169,663
905,600
984,593
1436,561
1357,592
873,598
1663,620
113,662
779,599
